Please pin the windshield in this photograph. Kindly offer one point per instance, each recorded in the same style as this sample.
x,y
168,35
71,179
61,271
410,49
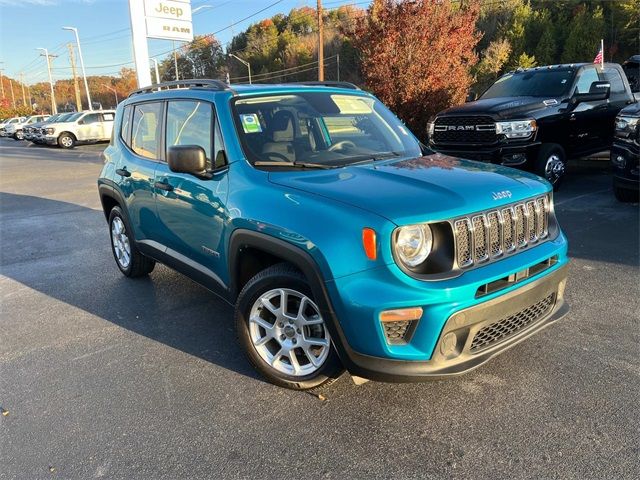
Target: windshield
x,y
72,117
536,83
65,117
325,128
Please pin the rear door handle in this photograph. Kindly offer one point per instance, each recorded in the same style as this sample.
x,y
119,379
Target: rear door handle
x,y
163,186
123,172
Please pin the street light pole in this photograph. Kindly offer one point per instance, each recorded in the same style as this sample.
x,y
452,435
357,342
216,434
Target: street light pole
x,y
155,65
115,92
248,65
175,58
84,74
54,109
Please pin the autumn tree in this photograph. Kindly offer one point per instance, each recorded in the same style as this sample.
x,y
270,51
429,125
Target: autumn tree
x,y
416,56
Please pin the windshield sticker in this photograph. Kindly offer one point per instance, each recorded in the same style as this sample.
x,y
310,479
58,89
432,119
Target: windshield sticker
x,y
250,123
351,105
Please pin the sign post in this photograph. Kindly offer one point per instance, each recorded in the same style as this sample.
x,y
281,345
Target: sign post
x,y
163,19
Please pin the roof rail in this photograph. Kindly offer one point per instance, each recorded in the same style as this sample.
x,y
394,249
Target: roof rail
x,y
206,84
329,83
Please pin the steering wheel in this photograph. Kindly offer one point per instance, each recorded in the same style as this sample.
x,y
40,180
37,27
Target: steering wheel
x,y
278,157
342,144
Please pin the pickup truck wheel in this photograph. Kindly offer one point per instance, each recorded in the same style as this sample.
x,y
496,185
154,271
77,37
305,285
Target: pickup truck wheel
x,y
551,164
282,331
128,258
66,140
19,135
625,195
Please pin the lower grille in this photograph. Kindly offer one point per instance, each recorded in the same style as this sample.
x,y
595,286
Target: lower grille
x,y
398,332
509,326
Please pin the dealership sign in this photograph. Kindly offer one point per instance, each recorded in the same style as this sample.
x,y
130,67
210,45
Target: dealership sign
x,y
169,19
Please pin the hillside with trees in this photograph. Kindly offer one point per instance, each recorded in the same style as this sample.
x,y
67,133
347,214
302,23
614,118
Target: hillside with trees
x,y
418,56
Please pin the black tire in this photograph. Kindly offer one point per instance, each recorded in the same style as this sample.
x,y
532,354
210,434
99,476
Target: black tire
x,y
626,195
66,140
19,135
551,163
138,265
282,275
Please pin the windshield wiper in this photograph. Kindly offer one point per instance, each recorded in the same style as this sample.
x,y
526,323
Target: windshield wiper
x,y
369,158
291,164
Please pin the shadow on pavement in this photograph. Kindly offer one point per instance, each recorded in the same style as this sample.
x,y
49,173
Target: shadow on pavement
x,y
69,259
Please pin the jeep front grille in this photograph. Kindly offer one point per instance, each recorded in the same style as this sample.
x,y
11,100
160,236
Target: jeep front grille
x,y
507,327
477,130
490,235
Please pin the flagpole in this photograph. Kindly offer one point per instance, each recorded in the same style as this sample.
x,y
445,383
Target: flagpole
x,y
602,50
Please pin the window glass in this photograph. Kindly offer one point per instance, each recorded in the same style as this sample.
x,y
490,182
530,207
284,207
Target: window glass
x,y
218,145
91,118
586,78
617,85
145,129
108,116
190,123
320,127
124,126
534,83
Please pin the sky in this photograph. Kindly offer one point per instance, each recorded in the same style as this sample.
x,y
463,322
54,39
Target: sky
x,y
104,29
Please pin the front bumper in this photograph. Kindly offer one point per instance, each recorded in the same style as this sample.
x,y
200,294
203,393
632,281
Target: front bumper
x,y
448,307
49,139
511,155
626,176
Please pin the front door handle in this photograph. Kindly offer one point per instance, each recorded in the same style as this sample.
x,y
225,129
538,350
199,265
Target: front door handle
x,y
163,186
123,172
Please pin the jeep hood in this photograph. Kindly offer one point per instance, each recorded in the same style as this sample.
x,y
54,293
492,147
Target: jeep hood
x,y
503,107
433,187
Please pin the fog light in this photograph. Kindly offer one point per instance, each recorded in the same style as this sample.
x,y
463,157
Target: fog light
x,y
619,161
514,159
448,344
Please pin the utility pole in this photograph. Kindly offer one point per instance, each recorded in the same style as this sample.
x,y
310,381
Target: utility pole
x,y
13,99
175,58
338,64
76,87
54,107
84,74
320,43
155,66
1,82
24,99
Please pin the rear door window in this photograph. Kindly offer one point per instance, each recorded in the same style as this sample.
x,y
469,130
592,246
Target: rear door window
x,y
145,129
618,91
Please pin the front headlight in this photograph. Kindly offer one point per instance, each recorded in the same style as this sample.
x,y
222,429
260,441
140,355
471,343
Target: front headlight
x,y
413,244
49,131
627,127
517,128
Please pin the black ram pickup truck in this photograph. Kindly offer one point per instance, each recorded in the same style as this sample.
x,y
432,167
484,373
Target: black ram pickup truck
x,y
537,118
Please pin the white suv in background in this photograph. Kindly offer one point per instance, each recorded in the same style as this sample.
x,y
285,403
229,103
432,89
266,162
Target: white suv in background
x,y
16,129
9,121
81,127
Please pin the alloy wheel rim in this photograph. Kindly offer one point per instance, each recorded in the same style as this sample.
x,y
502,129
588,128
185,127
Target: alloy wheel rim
x,y
66,141
554,169
120,240
288,332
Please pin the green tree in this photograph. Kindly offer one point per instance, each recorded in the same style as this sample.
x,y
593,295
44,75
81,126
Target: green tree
x,y
585,31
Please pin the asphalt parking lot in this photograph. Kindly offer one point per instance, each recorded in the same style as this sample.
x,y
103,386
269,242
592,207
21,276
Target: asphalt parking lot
x,y
102,376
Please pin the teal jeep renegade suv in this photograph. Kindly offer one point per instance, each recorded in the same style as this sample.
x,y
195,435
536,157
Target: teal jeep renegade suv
x,y
341,240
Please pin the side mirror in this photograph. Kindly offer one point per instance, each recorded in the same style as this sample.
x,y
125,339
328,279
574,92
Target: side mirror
x,y
187,159
598,91
471,97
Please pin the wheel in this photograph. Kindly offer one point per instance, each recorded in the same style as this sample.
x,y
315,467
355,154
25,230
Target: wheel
x,y
551,163
282,331
128,258
19,135
66,140
625,195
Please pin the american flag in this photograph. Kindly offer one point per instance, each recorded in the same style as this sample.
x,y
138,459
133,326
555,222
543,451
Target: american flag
x,y
598,58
